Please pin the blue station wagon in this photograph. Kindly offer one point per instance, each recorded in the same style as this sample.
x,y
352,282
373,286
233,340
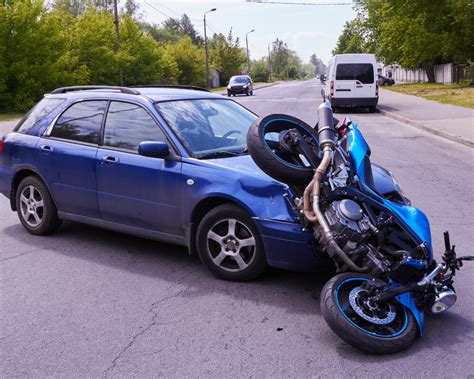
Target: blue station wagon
x,y
165,163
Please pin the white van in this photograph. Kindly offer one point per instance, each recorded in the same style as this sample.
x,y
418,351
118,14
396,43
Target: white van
x,y
352,81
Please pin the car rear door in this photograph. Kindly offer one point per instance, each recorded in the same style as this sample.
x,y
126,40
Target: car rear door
x,y
364,76
67,155
344,85
133,189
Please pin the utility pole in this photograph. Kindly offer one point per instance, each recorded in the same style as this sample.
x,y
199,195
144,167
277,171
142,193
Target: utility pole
x,y
247,44
269,65
205,44
117,32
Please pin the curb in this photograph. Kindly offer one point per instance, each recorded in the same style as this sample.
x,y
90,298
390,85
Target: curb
x,y
426,128
256,88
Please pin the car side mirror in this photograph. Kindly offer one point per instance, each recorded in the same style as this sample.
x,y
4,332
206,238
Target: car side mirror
x,y
154,149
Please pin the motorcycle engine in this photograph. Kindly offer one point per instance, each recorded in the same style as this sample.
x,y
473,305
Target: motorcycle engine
x,y
352,230
348,220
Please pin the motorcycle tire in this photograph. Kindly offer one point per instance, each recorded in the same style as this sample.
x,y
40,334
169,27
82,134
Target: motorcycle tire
x,y
365,332
267,159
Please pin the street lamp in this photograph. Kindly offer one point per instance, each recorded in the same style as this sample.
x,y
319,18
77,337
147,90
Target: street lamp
x,y
205,44
247,44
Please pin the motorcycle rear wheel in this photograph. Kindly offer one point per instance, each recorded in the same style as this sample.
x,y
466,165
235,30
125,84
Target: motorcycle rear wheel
x,y
388,329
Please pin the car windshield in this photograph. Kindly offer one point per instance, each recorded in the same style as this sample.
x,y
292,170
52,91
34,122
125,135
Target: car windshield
x,y
239,80
208,127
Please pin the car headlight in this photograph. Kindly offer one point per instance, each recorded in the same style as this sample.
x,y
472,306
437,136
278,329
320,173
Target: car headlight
x,y
246,85
228,87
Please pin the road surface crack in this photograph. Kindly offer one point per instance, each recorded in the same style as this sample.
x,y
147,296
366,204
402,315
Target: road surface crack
x,y
20,255
154,322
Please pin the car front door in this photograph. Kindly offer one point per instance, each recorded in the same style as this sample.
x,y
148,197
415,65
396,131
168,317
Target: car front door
x,y
67,157
133,189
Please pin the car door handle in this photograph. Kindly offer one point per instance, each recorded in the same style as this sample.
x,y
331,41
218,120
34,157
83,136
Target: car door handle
x,y
109,161
47,149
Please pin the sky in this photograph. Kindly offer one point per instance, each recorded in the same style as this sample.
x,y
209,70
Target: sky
x,y
306,29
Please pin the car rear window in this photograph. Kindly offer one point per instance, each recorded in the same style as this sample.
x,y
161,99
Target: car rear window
x,y
363,72
81,122
37,113
345,71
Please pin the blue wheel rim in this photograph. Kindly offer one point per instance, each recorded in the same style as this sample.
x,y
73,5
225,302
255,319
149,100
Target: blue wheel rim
x,y
405,315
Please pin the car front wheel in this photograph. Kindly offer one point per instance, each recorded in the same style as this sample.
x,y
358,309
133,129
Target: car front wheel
x,y
35,207
229,244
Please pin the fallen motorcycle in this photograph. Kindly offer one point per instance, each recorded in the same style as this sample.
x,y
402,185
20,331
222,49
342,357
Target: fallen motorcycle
x,y
380,245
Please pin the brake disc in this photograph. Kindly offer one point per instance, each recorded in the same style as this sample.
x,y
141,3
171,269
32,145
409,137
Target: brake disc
x,y
368,314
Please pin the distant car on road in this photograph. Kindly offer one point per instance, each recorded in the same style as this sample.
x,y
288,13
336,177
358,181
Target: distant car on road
x,y
169,164
384,81
240,84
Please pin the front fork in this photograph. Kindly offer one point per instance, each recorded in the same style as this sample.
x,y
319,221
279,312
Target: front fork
x,y
441,277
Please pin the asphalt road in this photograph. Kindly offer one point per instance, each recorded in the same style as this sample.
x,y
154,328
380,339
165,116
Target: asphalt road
x,y
92,303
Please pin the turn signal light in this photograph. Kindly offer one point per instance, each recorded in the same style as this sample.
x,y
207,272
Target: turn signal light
x,y
1,145
332,88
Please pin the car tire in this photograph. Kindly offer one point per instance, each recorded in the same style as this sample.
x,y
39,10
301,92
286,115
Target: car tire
x,y
220,236
228,93
247,93
35,207
372,109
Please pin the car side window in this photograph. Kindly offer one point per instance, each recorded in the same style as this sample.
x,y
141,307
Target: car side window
x,y
81,122
127,125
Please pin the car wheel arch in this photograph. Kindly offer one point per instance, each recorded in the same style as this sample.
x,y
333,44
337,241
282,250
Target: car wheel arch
x,y
18,177
203,207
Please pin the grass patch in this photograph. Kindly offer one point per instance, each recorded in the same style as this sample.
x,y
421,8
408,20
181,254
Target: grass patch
x,y
10,116
456,94
218,89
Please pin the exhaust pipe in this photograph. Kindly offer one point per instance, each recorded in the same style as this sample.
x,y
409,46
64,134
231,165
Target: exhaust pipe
x,y
327,142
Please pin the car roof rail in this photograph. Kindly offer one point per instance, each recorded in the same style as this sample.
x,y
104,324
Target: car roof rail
x,y
127,90
179,86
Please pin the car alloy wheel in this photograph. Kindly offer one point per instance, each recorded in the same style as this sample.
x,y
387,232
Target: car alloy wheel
x,y
35,207
31,206
231,245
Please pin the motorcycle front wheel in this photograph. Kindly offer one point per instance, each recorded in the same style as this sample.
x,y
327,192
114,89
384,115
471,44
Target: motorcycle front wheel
x,y
381,328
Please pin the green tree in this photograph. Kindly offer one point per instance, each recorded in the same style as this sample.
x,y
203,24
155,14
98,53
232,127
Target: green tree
x,y
418,33
226,55
318,65
351,40
260,71
36,54
94,45
183,27
189,59
140,58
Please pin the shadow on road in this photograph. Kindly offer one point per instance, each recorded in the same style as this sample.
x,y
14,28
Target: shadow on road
x,y
172,263
293,292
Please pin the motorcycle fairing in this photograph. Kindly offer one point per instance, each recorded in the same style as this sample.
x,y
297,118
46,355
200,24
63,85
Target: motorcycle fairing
x,y
412,217
408,301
